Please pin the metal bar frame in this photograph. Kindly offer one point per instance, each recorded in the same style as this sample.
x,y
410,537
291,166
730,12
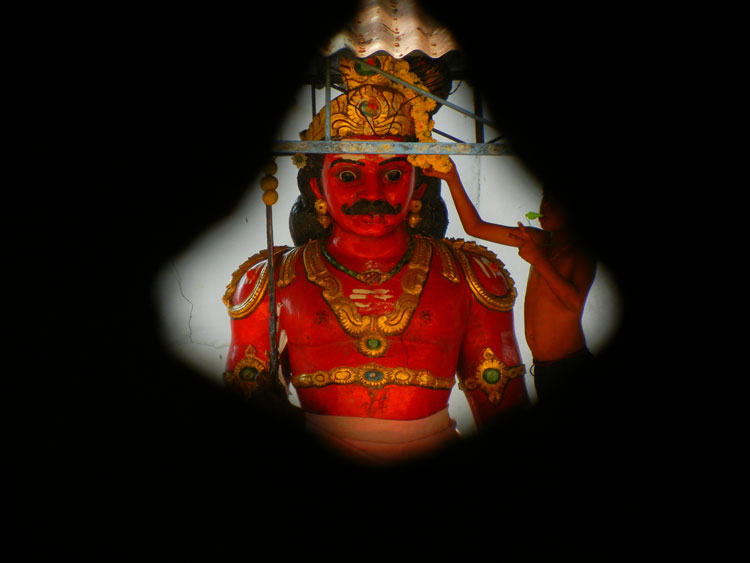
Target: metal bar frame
x,y
388,147
424,92
328,99
478,125
492,148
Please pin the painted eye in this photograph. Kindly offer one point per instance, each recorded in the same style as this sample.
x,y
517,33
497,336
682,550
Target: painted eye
x,y
394,175
347,176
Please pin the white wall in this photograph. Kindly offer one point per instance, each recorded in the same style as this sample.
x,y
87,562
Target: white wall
x,y
195,325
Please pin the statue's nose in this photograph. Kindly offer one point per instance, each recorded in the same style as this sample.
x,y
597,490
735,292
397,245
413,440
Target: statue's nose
x,y
371,188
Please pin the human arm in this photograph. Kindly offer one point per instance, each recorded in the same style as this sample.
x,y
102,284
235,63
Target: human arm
x,y
471,221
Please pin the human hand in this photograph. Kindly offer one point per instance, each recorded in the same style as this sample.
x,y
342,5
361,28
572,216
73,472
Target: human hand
x,y
447,176
528,249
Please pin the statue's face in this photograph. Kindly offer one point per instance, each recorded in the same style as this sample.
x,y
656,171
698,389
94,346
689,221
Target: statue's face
x,y
367,195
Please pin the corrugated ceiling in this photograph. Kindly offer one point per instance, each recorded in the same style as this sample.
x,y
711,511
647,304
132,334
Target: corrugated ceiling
x,y
395,27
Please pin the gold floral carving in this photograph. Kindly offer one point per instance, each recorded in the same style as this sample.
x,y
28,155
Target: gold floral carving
x,y
460,250
371,330
373,376
367,110
491,376
373,104
240,310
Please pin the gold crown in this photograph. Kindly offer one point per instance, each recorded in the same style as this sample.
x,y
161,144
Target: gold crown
x,y
373,104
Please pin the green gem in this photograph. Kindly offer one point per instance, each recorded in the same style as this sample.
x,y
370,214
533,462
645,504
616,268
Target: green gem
x,y
248,374
370,108
373,343
365,71
373,375
491,375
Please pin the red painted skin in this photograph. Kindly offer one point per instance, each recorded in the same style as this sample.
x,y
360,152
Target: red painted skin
x,y
446,335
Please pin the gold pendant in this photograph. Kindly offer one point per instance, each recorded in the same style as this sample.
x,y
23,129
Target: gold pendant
x,y
371,278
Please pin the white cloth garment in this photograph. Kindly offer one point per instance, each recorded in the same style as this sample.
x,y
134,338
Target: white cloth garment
x,y
380,441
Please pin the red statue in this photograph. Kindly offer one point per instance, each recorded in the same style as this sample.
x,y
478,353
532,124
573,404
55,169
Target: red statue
x,y
377,312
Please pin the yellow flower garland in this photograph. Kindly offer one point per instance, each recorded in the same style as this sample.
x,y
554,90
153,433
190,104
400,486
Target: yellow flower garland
x,y
419,112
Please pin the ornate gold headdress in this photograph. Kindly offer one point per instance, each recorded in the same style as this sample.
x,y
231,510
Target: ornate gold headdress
x,y
373,104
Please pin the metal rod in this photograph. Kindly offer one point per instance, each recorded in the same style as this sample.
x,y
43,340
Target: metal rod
x,y
273,351
312,100
478,126
446,135
328,99
423,92
389,147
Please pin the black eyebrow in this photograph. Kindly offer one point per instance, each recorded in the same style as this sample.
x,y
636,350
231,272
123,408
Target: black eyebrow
x,y
346,160
395,158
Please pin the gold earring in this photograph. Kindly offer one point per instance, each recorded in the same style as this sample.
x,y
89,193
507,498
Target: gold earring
x,y
415,206
321,210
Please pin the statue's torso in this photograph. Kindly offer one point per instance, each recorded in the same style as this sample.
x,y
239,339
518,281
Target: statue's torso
x,y
388,350
421,357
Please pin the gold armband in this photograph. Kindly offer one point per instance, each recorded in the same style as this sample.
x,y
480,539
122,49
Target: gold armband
x,y
491,376
247,373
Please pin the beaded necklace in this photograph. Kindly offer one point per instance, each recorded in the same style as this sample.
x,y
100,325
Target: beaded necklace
x,y
371,277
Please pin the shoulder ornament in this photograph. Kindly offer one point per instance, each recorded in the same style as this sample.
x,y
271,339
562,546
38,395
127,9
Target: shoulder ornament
x,y
248,305
450,269
286,267
470,255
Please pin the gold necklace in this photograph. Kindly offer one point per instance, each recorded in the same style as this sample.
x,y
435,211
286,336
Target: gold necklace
x,y
371,330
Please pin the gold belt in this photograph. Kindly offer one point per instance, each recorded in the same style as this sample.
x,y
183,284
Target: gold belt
x,y
372,375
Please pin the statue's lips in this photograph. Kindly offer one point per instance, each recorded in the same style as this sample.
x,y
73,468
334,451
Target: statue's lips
x,y
372,208
370,219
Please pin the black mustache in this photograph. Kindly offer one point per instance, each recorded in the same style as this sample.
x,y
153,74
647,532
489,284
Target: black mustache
x,y
367,207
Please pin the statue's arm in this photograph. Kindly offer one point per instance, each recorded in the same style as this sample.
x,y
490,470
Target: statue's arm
x,y
490,370
247,365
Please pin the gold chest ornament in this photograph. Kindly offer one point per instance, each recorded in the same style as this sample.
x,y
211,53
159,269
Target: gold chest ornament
x,y
371,331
